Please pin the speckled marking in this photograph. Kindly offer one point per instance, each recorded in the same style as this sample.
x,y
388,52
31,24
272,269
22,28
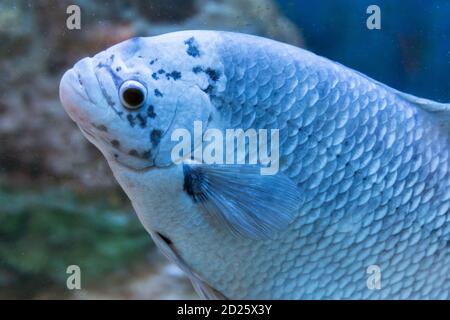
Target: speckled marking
x,y
175,75
192,49
158,93
155,136
151,112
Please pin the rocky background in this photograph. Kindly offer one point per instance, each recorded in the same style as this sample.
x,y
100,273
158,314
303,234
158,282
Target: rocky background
x,y
59,204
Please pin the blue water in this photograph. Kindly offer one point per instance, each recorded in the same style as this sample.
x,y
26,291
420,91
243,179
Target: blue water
x,y
411,52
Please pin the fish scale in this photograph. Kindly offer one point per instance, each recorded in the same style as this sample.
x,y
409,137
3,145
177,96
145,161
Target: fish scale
x,y
370,165
373,121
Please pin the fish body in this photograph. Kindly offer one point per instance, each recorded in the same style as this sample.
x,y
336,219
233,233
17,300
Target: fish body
x,y
369,165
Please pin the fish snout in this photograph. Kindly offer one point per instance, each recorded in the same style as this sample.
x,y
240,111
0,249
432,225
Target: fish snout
x,y
73,96
74,93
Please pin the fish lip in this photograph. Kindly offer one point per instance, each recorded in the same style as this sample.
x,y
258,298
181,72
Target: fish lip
x,y
71,91
70,81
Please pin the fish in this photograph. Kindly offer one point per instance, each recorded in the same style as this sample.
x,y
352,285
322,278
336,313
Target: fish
x,y
359,206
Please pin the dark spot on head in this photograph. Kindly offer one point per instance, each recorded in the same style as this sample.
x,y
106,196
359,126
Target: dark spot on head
x,y
116,155
155,136
208,89
142,120
161,71
153,61
115,143
100,127
197,69
133,153
155,76
151,112
214,75
130,120
192,49
175,75
158,93
118,69
147,154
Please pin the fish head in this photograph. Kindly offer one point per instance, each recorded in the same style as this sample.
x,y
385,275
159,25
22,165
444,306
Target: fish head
x,y
128,99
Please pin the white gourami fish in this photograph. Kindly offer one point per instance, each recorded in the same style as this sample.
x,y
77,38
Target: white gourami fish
x,y
364,169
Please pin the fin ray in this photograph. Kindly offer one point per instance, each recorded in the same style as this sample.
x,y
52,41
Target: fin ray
x,y
248,203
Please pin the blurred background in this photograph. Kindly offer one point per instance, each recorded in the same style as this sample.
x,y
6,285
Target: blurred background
x,y
59,204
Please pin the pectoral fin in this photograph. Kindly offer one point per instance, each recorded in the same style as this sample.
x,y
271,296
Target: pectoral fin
x,y
248,203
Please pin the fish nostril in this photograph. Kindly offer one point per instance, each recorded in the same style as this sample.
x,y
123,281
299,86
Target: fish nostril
x,y
80,81
165,239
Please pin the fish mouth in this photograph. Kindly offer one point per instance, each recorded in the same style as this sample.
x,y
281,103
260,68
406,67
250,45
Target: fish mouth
x,y
74,97
77,102
78,92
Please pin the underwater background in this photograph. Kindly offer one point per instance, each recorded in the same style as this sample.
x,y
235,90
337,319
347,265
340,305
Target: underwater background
x,y
59,204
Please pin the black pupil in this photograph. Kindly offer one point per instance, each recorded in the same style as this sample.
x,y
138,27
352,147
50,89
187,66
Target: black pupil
x,y
134,97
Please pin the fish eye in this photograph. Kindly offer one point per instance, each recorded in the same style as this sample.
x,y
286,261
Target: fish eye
x,y
132,94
